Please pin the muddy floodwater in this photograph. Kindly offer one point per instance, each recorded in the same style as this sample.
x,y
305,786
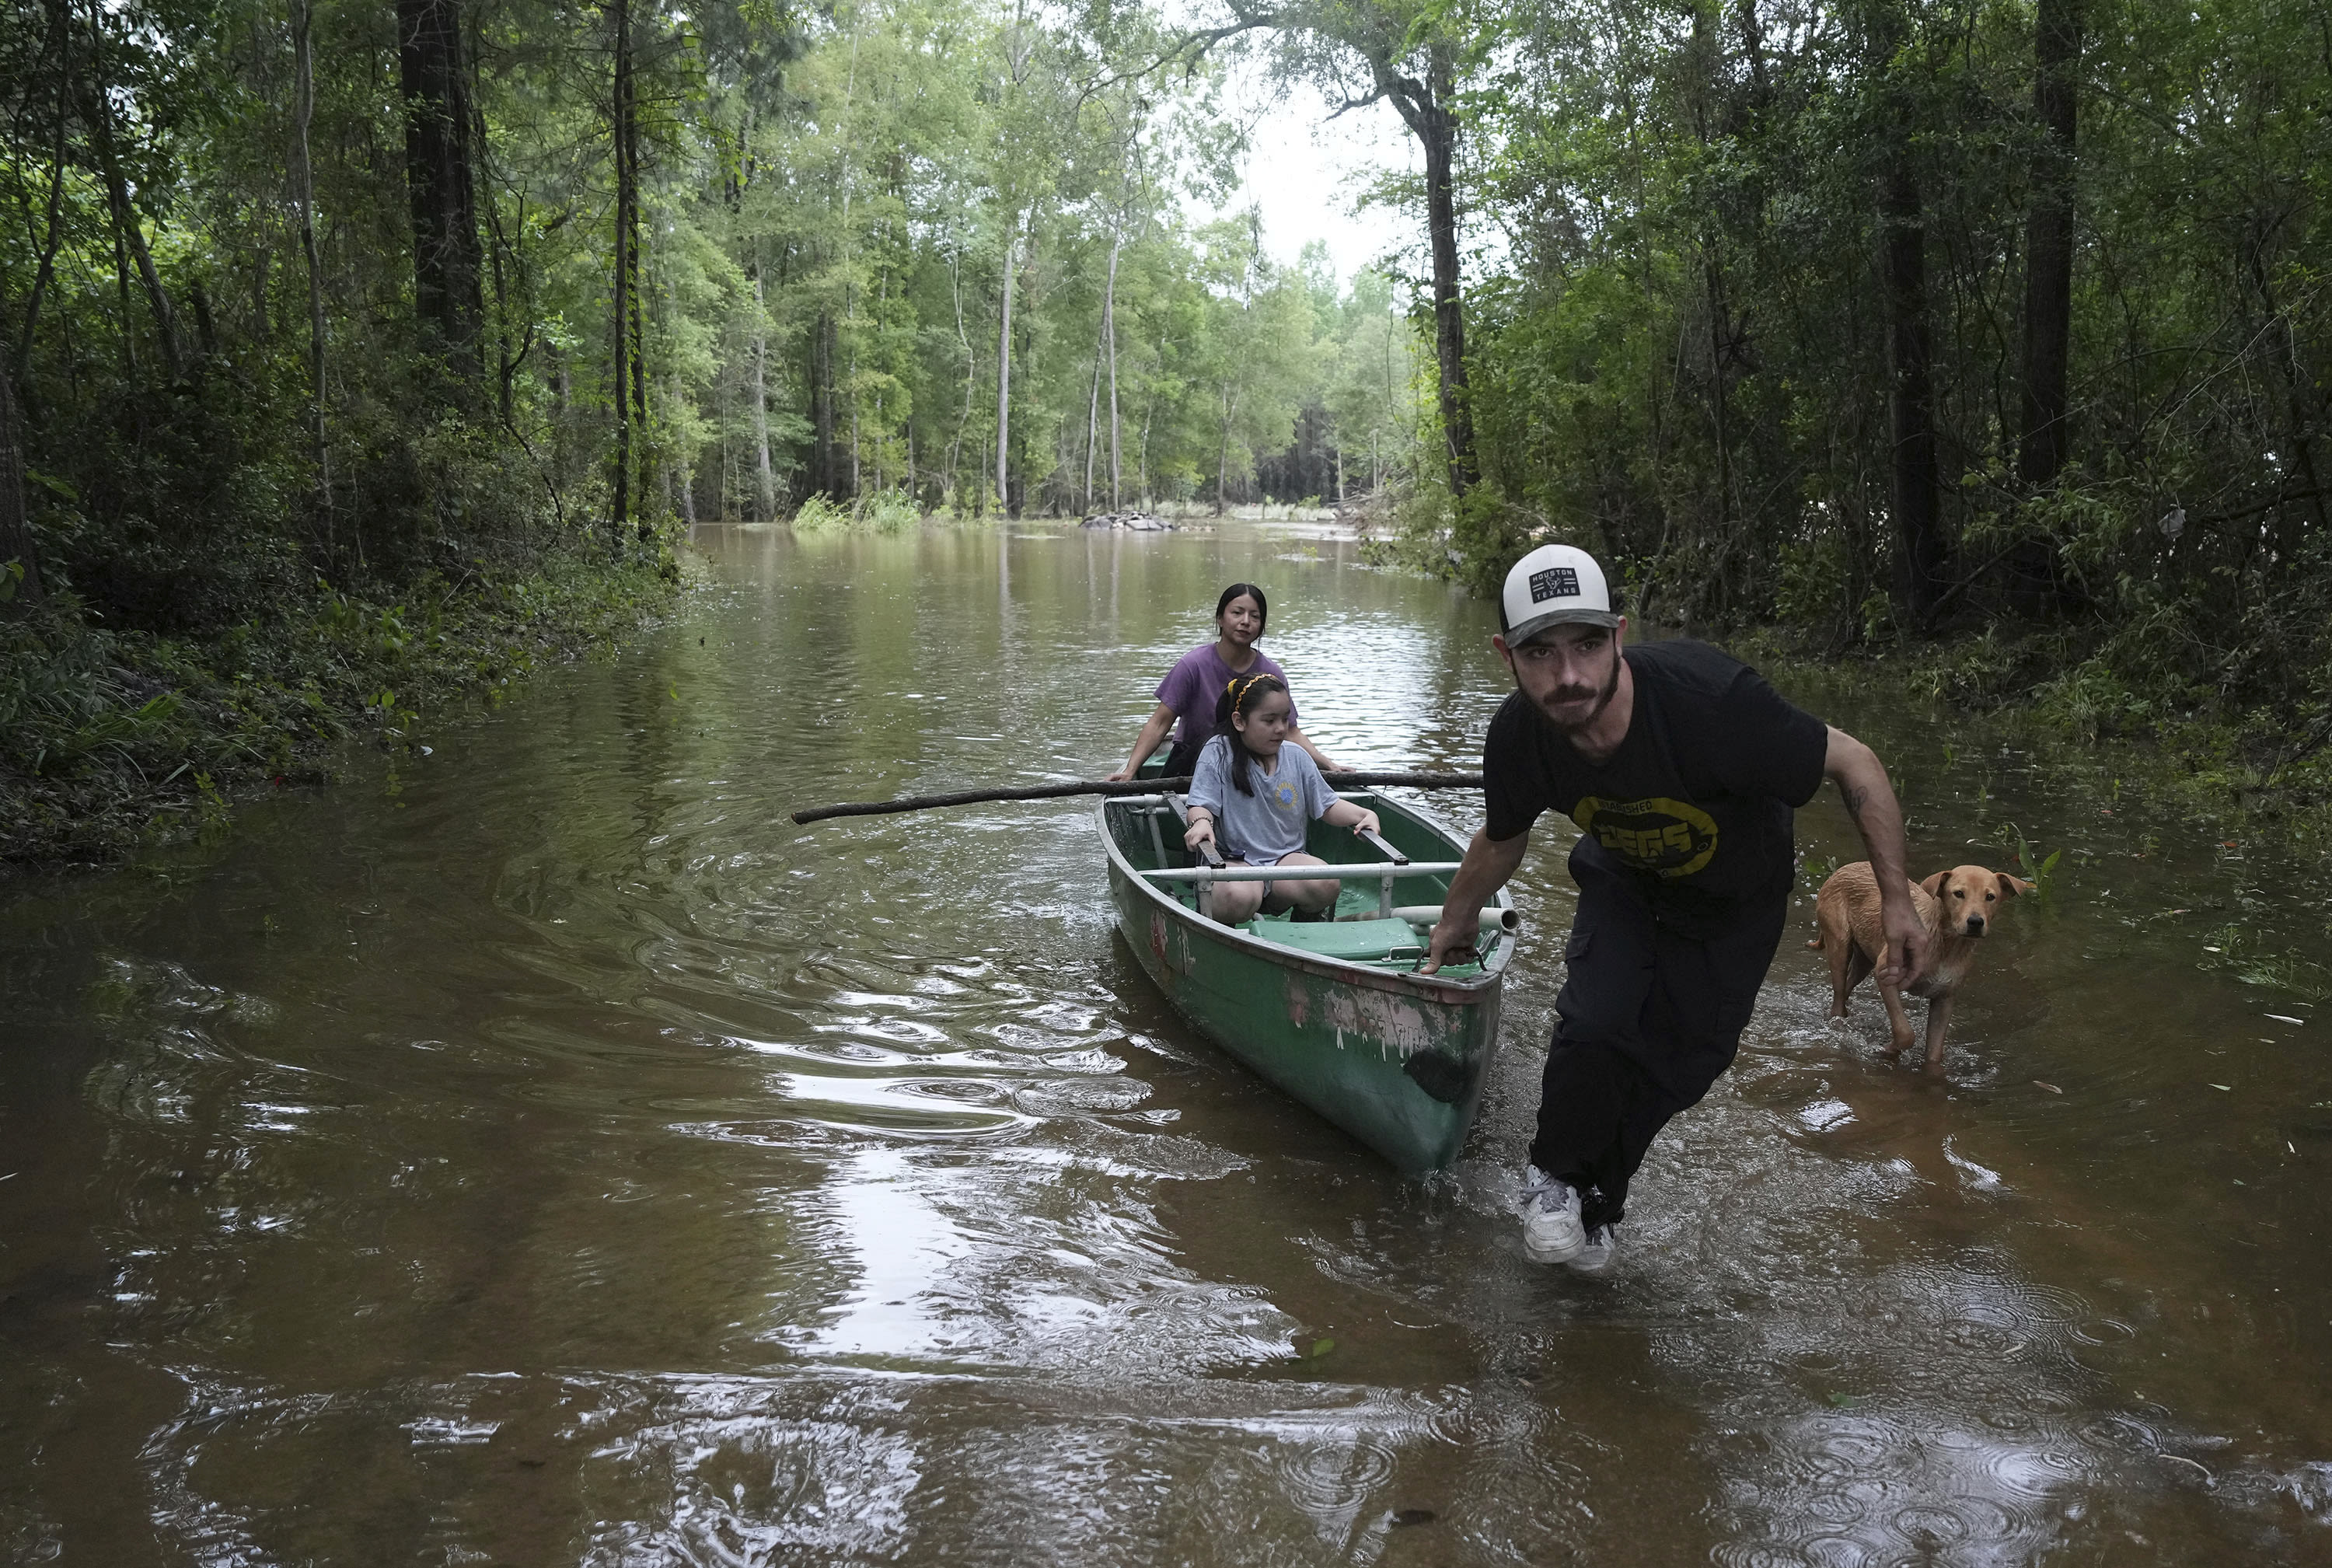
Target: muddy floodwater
x,y
542,1150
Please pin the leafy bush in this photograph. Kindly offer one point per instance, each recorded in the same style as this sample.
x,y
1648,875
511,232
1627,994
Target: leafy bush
x,y
878,512
887,512
819,515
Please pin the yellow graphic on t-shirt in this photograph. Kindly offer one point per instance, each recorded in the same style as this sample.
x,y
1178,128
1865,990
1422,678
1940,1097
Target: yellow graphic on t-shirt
x,y
1666,838
1286,793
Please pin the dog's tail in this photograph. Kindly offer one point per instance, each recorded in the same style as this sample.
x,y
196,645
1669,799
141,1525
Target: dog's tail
x,y
1817,941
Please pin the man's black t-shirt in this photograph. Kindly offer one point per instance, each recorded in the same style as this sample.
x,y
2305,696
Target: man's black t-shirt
x,y
1694,808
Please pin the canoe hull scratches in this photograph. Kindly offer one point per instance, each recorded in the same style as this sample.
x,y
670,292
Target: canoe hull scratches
x,y
1396,1060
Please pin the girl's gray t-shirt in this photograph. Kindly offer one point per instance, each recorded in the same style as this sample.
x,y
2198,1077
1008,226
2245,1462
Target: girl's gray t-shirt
x,y
1262,828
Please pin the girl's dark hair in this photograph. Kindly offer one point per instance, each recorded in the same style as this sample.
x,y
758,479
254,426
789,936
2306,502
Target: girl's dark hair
x,y
1240,699
1249,589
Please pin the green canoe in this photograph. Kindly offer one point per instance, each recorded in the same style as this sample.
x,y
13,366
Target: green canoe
x,y
1331,1012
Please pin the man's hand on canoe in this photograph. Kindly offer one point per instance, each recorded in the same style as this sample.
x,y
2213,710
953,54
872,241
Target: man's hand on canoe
x,y
1451,942
1490,862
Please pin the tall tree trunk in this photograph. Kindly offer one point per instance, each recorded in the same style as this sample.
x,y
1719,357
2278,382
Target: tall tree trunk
x,y
1093,423
1425,107
1223,455
1109,337
642,430
303,182
829,479
625,278
1914,500
1752,48
1141,454
2049,245
16,546
1004,370
1912,483
130,232
448,267
765,476
955,447
61,24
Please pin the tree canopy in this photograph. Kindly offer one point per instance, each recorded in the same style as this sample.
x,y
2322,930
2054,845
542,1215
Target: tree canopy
x,y
1883,317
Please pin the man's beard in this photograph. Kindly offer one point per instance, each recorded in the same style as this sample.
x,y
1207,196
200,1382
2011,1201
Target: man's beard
x,y
1603,695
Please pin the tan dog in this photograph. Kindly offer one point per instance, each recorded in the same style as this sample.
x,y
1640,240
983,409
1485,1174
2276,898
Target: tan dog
x,y
1956,906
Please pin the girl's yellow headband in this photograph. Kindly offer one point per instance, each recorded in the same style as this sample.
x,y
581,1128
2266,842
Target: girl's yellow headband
x,y
1240,685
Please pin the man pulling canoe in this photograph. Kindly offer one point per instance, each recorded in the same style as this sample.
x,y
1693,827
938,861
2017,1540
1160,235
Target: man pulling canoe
x,y
1681,766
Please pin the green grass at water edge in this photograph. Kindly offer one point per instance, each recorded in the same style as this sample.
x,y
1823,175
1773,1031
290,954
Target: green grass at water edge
x,y
113,741
2247,775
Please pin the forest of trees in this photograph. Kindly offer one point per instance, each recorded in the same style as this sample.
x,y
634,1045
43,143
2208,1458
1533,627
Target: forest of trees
x,y
349,288
1880,318
1883,319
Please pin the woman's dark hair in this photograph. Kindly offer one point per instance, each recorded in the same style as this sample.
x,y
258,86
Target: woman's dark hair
x,y
1247,589
1238,700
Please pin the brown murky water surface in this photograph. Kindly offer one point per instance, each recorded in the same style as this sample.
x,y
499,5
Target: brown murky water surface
x,y
550,1154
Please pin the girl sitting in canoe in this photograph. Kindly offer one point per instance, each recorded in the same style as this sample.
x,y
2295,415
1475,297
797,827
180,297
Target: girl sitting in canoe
x,y
1193,688
1255,794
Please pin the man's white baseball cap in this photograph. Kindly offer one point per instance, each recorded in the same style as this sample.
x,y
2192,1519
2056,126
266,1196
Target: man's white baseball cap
x,y
1555,584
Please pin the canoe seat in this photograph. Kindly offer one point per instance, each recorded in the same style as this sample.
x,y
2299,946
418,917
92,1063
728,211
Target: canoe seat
x,y
1356,941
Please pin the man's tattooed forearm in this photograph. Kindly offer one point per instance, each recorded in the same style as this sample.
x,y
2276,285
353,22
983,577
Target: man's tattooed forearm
x,y
1856,797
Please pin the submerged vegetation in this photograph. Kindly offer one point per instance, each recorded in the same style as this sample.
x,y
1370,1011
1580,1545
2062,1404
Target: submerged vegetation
x,y
110,740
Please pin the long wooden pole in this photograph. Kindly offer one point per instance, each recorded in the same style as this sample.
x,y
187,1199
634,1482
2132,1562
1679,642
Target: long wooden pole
x,y
1128,786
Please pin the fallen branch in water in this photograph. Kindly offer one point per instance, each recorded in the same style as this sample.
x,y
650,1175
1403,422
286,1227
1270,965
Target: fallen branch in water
x,y
1127,786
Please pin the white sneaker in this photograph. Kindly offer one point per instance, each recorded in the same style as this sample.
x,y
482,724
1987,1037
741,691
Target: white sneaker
x,y
1595,1257
1551,1230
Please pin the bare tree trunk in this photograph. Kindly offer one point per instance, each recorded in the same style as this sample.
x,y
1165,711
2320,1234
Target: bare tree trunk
x,y
1223,455
2049,245
955,447
641,428
1753,46
97,113
822,402
1911,400
304,180
16,546
625,278
1141,454
1004,372
1109,336
1425,107
1093,423
765,476
61,20
447,265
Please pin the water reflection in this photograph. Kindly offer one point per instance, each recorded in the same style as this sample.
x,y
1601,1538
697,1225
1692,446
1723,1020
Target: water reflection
x,y
565,1157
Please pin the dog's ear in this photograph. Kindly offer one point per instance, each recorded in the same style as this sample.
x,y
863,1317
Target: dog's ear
x,y
2009,887
1933,887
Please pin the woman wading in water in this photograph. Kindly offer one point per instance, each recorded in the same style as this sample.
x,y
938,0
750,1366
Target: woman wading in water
x,y
1193,688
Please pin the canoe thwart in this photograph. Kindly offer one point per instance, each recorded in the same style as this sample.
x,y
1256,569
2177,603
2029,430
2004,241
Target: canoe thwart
x,y
1181,810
